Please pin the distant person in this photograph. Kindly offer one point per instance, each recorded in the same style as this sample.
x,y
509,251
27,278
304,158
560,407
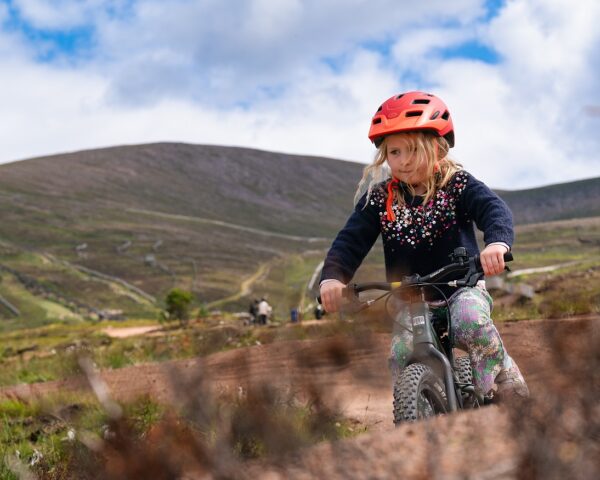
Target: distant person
x,y
425,205
253,311
264,311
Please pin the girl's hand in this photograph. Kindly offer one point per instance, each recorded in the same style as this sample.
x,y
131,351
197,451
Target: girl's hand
x,y
492,259
331,295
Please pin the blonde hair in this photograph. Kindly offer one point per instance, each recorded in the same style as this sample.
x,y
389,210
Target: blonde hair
x,y
426,147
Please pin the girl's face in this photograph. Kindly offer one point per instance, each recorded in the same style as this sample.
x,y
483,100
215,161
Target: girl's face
x,y
403,162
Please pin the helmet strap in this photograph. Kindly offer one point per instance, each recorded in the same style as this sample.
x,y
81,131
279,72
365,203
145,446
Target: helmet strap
x,y
392,185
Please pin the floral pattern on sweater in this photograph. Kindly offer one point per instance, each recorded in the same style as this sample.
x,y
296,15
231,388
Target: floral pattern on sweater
x,y
420,224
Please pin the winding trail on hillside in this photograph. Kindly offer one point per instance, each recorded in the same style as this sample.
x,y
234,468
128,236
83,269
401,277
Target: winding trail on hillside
x,y
246,285
549,268
233,226
135,293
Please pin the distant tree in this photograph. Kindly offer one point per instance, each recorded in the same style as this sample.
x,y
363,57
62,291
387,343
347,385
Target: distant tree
x,y
178,305
203,311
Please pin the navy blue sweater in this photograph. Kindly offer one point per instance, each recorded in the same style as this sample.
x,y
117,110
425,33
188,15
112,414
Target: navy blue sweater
x,y
421,238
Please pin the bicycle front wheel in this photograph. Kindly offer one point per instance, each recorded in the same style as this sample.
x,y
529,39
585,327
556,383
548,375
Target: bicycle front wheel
x,y
418,394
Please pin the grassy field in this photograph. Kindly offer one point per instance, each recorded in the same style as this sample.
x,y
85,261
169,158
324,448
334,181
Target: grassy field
x,y
573,288
573,247
57,331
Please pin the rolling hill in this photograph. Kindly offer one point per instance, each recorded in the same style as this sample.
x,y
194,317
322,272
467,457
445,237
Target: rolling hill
x,y
115,228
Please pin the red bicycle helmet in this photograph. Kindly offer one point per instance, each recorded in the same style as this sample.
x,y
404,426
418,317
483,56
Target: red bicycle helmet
x,y
409,112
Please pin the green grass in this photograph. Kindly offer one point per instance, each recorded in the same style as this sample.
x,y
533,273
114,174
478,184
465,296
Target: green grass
x,y
34,310
54,427
65,436
285,287
58,346
70,295
31,428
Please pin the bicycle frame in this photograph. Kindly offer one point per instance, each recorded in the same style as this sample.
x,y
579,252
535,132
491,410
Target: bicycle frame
x,y
427,346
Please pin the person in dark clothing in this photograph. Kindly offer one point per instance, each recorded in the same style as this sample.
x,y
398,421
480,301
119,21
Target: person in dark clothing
x,y
253,310
424,205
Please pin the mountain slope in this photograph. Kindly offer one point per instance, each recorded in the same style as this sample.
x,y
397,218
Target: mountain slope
x,y
555,202
205,218
283,193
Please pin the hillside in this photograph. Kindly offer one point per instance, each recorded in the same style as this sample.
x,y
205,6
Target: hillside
x,y
282,193
156,216
224,222
555,202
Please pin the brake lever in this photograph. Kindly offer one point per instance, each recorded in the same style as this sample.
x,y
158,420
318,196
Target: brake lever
x,y
471,278
474,274
354,305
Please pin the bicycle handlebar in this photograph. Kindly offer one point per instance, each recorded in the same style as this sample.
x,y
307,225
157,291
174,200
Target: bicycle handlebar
x,y
471,266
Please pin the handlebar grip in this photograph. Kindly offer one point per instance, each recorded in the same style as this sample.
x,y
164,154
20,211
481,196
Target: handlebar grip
x,y
508,257
346,293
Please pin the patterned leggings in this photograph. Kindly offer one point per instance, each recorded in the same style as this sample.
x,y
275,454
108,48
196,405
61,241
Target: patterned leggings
x,y
473,331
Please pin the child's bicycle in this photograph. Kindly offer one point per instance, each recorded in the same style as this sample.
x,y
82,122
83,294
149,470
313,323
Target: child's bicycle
x,y
433,381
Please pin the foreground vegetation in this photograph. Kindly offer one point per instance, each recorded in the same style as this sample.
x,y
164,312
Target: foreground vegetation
x,y
82,436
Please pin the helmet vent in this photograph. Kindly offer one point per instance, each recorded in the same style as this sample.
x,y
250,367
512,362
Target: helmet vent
x,y
422,101
417,113
376,120
435,115
399,96
446,115
380,108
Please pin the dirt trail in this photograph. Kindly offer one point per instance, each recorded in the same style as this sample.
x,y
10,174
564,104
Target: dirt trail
x,y
246,285
358,382
124,332
256,231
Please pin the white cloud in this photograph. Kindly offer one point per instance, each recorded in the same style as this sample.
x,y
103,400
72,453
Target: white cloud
x,y
412,49
230,51
325,114
251,74
496,138
551,69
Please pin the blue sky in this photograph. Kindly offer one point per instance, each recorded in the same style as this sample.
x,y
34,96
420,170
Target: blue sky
x,y
305,76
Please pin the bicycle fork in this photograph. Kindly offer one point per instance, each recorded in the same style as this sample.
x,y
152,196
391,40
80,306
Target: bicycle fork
x,y
425,348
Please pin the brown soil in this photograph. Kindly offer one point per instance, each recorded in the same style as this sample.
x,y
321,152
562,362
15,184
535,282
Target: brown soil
x,y
352,376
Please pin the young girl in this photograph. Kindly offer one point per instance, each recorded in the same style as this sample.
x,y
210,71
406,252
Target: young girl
x,y
424,206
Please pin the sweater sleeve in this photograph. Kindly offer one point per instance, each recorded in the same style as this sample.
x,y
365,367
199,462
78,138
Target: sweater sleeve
x,y
352,243
489,212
